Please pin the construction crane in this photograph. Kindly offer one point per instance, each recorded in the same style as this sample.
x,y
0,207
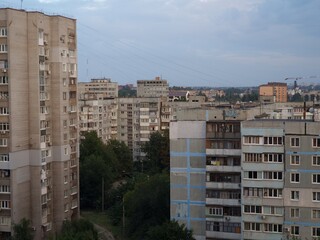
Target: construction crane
x,y
298,78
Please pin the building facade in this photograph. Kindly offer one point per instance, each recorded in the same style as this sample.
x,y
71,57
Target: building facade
x,y
98,88
152,88
39,147
273,92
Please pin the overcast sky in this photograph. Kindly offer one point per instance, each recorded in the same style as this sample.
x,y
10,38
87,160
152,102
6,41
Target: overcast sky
x,y
218,43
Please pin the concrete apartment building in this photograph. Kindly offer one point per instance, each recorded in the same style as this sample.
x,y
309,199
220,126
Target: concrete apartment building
x,y
205,171
257,181
280,185
152,88
273,92
100,88
39,147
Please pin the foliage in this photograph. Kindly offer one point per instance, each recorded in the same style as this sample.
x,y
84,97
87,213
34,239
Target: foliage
x,y
157,152
147,205
126,91
123,155
169,231
100,164
81,229
296,98
254,96
23,230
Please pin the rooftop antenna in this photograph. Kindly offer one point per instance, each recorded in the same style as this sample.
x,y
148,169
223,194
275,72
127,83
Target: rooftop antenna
x,y
21,4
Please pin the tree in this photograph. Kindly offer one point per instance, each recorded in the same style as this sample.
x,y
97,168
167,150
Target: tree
x,y
296,98
169,231
157,152
123,155
147,205
81,229
23,230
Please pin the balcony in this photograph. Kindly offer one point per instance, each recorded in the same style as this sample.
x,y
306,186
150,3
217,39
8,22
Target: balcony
x,y
223,201
224,135
224,152
223,185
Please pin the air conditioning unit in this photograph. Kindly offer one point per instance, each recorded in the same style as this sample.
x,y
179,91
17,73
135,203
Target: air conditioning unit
x,y
286,229
48,72
4,70
263,217
45,42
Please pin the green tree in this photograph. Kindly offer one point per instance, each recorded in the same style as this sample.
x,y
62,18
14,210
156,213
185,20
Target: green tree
x,y
123,155
169,231
81,229
23,230
126,91
147,205
157,152
296,98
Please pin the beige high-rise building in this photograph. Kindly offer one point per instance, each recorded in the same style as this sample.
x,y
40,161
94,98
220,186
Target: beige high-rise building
x,y
99,88
153,88
39,146
273,92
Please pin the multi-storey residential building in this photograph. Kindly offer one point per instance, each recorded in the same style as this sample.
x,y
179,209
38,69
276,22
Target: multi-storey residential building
x,y
273,92
281,179
98,89
205,171
224,189
100,116
38,118
152,88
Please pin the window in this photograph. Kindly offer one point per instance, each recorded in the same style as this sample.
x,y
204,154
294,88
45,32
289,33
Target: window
x,y
5,221
253,175
295,178
4,111
272,140
316,178
316,196
5,204
316,232
3,79
64,94
295,212
272,193
295,230
295,195
252,192
3,32
252,157
3,142
4,189
4,158
272,175
269,227
252,226
316,213
316,142
66,207
64,67
3,48
4,126
215,211
252,209
273,157
251,139
295,160
316,160
272,210
294,142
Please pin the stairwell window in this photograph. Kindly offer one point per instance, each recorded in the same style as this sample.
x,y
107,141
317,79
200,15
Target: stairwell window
x,y
316,142
295,142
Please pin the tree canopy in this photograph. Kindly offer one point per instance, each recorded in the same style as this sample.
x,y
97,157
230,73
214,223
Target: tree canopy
x,y
169,231
147,205
77,230
157,152
23,230
100,165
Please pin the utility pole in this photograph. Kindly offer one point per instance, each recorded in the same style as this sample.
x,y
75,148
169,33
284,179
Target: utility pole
x,y
102,192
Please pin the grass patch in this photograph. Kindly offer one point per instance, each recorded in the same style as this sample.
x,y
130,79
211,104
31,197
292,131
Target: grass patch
x,y
103,220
